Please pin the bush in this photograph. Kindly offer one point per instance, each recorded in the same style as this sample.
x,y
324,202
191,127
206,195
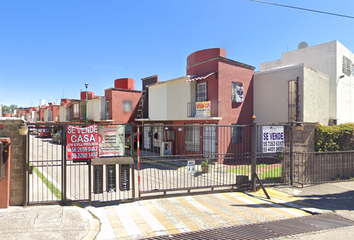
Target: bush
x,y
334,138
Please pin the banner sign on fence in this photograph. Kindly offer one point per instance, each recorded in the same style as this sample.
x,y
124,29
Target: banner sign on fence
x,y
202,109
273,139
82,143
112,140
191,166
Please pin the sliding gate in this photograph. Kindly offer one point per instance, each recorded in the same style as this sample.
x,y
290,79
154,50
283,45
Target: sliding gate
x,y
51,178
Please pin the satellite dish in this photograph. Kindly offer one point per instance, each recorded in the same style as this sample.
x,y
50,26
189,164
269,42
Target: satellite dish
x,y
303,45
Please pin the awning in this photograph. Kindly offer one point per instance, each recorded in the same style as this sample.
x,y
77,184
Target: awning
x,y
200,77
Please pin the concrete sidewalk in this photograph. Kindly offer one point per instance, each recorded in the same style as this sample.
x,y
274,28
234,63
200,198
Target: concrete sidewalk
x,y
167,216
47,222
337,197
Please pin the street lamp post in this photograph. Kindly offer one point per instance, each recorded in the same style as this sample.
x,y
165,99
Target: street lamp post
x,y
86,85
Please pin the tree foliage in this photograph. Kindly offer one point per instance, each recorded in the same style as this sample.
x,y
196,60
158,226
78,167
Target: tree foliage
x,y
9,109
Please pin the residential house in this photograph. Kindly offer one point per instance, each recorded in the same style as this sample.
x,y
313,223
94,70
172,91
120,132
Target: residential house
x,y
65,110
216,91
30,114
295,93
51,113
332,59
121,104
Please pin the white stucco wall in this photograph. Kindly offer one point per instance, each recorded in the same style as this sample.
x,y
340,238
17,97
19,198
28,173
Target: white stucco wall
x,y
62,114
345,88
177,98
46,115
168,100
271,95
158,102
96,108
322,57
316,96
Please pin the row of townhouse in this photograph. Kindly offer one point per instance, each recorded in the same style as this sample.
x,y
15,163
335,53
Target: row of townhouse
x,y
310,84
118,106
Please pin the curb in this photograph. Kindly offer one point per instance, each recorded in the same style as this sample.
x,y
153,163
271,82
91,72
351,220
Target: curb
x,y
94,224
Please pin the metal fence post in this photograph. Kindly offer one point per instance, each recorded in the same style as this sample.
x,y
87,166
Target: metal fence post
x,y
63,165
25,170
138,156
254,154
291,152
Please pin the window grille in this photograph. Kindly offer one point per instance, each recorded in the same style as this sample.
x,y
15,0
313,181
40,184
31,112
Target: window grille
x,y
347,66
237,92
192,138
202,92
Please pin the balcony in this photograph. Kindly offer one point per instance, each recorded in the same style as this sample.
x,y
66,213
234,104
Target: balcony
x,y
205,109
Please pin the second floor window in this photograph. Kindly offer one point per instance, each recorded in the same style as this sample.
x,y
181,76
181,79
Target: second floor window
x,y
107,110
202,92
76,110
237,92
127,106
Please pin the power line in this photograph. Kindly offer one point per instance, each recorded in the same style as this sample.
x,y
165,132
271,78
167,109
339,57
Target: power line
x,y
304,9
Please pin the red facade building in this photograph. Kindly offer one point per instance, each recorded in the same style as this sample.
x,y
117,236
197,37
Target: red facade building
x,y
122,101
220,92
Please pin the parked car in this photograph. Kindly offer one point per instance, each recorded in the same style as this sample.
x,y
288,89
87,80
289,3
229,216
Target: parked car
x,y
42,133
57,138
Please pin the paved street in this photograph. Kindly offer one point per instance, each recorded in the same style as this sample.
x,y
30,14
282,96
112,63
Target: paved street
x,y
148,218
173,215
335,197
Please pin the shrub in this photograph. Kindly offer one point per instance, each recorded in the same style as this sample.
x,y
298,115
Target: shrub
x,y
334,138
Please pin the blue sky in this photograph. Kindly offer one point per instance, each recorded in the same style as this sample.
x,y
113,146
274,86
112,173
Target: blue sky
x,y
50,49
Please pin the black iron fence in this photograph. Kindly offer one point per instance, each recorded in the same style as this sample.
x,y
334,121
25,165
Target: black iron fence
x,y
315,167
174,159
190,158
52,178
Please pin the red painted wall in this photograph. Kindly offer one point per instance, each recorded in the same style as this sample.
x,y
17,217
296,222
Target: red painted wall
x,y
55,111
203,55
233,112
41,114
124,83
90,95
115,97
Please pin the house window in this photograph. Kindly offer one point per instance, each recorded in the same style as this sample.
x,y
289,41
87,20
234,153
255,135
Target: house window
x,y
127,106
291,101
76,110
192,138
236,134
237,92
107,110
202,92
347,66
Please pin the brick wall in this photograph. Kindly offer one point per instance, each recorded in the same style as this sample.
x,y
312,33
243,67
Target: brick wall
x,y
9,128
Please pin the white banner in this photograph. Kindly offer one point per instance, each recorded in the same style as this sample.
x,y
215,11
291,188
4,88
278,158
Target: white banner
x,y
273,139
111,140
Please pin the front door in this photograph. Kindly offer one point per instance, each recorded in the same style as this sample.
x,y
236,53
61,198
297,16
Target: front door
x,y
147,137
209,140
